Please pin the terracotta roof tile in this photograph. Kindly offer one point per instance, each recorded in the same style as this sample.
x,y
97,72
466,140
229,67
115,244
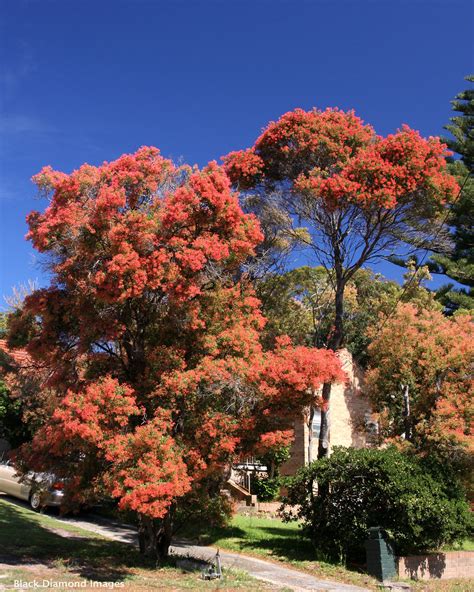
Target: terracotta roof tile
x,y
20,356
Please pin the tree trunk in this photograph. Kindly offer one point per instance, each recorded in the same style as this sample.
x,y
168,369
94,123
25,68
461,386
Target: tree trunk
x,y
323,444
335,342
337,336
310,433
154,535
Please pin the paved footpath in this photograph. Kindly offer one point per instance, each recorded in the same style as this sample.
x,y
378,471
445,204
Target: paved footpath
x,y
267,571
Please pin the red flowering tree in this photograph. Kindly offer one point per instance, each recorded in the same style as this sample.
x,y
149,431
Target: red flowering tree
x,y
150,341
359,194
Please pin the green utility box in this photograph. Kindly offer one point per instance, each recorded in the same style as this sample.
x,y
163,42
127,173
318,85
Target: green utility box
x,y
381,560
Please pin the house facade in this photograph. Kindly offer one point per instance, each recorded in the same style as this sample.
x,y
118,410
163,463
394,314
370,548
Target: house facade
x,y
350,424
350,420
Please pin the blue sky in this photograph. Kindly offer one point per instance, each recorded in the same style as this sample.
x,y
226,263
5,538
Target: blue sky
x,y
85,81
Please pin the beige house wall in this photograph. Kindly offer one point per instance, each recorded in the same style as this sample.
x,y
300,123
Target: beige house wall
x,y
348,407
348,411
299,449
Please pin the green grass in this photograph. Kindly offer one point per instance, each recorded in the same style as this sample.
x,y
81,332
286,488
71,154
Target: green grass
x,y
466,545
30,549
278,541
264,536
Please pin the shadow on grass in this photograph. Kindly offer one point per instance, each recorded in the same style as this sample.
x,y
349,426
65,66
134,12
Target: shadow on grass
x,y
208,535
281,541
24,539
294,545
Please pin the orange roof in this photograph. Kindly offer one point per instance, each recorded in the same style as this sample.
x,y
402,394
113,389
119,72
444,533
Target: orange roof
x,y
19,356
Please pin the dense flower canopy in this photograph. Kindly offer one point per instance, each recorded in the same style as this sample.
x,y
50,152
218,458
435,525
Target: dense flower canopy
x,y
153,241
151,339
334,156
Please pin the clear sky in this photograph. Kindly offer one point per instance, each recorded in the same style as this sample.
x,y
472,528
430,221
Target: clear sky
x,y
86,81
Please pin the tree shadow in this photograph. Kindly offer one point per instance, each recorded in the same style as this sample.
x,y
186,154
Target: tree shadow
x,y
284,543
24,540
432,565
208,536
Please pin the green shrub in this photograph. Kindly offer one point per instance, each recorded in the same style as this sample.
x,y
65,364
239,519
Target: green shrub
x,y
266,488
420,508
12,427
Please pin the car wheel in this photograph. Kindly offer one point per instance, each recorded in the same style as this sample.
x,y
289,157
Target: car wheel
x,y
35,501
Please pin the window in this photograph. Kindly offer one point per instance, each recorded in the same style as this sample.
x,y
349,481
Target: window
x,y
316,424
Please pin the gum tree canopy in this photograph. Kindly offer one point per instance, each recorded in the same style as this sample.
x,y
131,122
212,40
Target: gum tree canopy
x,y
359,195
151,343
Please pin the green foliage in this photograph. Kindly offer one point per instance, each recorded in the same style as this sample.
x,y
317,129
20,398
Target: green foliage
x,y
458,264
3,324
274,458
368,297
456,261
12,428
4,402
461,126
419,509
299,303
266,488
295,303
204,506
18,416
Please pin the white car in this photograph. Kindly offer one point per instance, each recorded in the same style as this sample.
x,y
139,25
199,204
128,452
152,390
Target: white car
x,y
39,489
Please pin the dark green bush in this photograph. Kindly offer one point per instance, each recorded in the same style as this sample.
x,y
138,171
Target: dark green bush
x,y
420,506
12,427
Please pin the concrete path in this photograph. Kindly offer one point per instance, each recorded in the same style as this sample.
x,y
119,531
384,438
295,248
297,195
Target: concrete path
x,y
109,529
267,571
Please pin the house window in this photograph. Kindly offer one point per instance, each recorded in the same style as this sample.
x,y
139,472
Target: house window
x,y
316,424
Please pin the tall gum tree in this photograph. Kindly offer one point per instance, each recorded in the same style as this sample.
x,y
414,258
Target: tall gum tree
x,y
151,344
360,195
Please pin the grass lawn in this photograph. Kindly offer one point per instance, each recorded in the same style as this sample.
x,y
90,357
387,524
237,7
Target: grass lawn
x,y
36,547
466,545
283,542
